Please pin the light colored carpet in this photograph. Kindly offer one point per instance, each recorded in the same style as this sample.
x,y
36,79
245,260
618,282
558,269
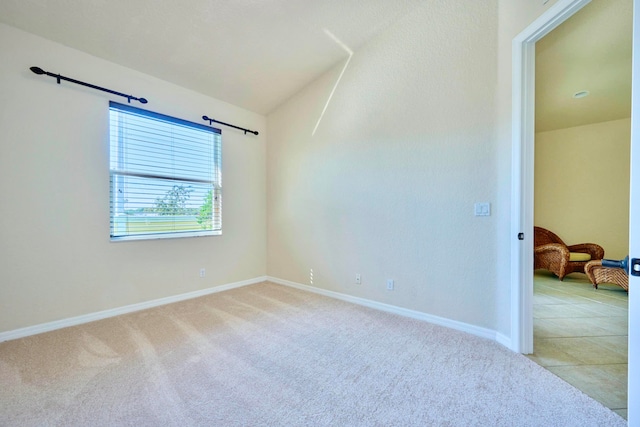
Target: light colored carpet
x,y
269,355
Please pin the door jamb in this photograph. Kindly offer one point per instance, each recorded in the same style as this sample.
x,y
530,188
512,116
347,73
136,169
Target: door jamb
x,y
522,161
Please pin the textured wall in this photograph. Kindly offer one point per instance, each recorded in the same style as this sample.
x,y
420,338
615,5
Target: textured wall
x,y
386,186
417,131
582,184
57,260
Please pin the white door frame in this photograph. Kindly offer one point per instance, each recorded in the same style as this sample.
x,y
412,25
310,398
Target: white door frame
x,y
523,122
633,410
523,128
522,161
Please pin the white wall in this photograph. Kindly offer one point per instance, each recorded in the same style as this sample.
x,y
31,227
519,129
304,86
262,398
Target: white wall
x,y
386,186
419,129
582,184
56,260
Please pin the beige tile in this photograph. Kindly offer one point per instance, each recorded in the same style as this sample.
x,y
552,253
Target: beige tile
x,y
621,412
580,327
580,287
547,299
554,311
617,302
602,294
544,274
619,343
580,334
544,328
580,351
613,290
604,383
607,310
563,288
547,353
572,297
613,301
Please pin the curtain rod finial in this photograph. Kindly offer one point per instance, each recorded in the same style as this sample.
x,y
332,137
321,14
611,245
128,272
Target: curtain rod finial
x,y
37,70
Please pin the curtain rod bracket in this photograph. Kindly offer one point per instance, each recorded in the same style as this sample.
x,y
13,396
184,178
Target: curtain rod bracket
x,y
58,77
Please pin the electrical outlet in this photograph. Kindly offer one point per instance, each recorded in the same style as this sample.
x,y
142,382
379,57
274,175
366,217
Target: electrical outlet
x,y
202,272
358,279
482,209
390,284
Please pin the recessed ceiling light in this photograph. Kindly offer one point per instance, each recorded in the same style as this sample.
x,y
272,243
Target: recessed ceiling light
x,y
581,94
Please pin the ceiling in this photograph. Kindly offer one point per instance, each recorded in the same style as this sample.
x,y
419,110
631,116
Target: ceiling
x,y
257,53
590,51
251,53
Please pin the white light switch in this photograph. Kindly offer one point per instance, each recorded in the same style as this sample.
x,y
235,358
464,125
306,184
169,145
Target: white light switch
x,y
482,209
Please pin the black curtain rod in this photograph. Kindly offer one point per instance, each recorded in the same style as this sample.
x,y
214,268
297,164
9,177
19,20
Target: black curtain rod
x,y
58,77
227,124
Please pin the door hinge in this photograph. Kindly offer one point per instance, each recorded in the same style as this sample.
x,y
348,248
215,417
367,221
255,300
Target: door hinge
x,y
520,236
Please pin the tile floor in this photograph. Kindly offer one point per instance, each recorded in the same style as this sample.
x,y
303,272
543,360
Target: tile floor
x,y
580,334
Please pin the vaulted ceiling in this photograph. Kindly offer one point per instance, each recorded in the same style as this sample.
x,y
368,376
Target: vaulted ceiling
x,y
251,53
257,53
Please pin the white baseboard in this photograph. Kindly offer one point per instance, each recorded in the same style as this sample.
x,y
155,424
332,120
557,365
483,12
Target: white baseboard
x,y
86,318
91,317
504,340
441,321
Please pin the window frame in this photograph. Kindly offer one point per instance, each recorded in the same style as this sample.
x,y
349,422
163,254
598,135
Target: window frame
x,y
118,175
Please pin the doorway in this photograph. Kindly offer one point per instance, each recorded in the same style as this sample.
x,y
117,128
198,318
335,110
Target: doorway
x,y
522,213
581,192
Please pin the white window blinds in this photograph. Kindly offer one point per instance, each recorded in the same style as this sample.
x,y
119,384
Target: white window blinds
x,y
165,175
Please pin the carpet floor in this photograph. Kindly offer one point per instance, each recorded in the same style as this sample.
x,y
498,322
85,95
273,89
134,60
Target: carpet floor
x,y
269,355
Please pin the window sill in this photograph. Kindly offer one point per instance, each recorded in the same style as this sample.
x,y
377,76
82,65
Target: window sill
x,y
166,236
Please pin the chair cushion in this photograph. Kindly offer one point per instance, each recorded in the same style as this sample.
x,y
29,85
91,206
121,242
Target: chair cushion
x,y
579,256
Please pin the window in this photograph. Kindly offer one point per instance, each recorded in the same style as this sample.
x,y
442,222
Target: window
x,y
165,176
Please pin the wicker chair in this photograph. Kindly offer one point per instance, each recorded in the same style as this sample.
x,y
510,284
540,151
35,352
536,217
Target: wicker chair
x,y
598,274
551,253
